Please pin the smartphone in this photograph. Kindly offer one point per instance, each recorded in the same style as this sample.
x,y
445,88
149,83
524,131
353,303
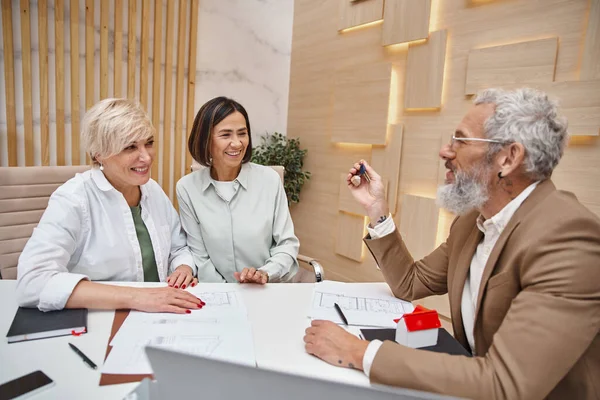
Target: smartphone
x,y
25,386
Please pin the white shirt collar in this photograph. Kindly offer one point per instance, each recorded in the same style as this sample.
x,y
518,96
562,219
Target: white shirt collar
x,y
104,185
501,219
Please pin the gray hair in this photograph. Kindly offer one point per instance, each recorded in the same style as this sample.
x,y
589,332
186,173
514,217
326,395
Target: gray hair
x,y
113,124
529,117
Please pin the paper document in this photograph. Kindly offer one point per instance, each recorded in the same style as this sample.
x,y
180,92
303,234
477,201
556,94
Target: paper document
x,y
363,305
219,301
219,330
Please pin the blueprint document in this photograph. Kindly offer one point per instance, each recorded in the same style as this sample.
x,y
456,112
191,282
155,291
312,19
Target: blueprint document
x,y
363,305
220,330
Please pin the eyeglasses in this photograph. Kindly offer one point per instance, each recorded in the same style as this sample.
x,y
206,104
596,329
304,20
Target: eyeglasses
x,y
455,139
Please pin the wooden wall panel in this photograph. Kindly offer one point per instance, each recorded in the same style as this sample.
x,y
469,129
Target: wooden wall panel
x,y
157,55
75,142
119,46
350,232
59,77
590,67
89,54
144,40
319,51
132,13
44,106
104,49
360,104
191,77
84,78
357,13
405,21
26,67
579,102
179,90
386,160
418,224
425,72
579,171
525,62
9,82
419,165
166,181
346,201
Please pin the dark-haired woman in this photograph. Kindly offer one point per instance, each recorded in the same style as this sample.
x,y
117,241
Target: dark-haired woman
x,y
235,213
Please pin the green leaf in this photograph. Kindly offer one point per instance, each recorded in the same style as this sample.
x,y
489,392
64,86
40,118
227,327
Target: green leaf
x,y
276,149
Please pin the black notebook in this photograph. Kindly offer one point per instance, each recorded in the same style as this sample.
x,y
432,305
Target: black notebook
x,y
31,323
445,344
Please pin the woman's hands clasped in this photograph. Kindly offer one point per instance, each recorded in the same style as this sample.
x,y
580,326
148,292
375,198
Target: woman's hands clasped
x,y
251,275
182,277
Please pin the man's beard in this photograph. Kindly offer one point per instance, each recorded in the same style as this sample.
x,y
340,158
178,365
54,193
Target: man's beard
x,y
468,192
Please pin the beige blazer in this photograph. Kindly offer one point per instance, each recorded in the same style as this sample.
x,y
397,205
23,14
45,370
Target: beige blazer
x,y
537,319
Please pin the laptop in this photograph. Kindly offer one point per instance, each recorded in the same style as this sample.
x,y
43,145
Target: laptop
x,y
187,376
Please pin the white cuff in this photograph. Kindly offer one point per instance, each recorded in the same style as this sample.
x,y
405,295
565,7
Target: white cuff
x,y
57,291
273,270
370,354
385,228
183,259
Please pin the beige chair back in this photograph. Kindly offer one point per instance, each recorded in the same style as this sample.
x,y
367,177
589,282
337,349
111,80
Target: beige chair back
x,y
24,195
278,168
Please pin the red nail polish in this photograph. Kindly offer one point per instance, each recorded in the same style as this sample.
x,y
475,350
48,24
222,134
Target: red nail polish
x,y
188,311
193,284
199,305
176,287
203,303
183,286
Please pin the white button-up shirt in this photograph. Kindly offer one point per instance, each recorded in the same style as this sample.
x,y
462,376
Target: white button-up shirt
x,y
87,232
492,229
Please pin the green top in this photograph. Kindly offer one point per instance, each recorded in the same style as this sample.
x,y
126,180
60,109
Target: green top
x,y
148,259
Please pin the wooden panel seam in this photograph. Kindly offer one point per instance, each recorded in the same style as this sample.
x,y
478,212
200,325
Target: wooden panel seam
x,y
191,77
168,98
118,53
179,87
75,143
44,90
59,15
9,81
131,27
27,93
157,57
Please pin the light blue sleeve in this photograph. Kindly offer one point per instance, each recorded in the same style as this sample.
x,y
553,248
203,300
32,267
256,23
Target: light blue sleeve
x,y
282,265
206,270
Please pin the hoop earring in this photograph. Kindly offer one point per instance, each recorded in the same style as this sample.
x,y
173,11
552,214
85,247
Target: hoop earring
x,y
101,167
500,175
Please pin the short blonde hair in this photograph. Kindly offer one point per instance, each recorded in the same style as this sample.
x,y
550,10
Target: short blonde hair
x,y
113,124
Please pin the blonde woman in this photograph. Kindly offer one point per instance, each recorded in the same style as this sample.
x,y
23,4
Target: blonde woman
x,y
112,223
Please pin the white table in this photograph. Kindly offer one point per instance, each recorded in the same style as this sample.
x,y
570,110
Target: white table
x,y
277,312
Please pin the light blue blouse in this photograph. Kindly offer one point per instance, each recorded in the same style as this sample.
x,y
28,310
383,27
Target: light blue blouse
x,y
253,229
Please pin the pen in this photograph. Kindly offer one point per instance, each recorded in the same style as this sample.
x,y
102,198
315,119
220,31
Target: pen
x,y
83,356
340,313
363,171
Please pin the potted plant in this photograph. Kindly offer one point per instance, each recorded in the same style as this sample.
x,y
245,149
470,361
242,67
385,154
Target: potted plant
x,y
276,149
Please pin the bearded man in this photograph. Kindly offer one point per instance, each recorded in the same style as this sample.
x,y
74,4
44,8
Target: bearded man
x,y
521,266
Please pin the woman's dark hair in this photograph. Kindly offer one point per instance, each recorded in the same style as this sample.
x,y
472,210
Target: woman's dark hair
x,y
210,114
